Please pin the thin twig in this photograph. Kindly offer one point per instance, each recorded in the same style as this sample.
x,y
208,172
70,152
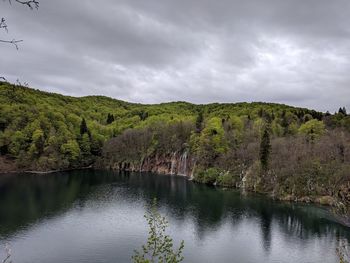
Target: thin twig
x,y
7,258
13,42
3,24
31,4
8,253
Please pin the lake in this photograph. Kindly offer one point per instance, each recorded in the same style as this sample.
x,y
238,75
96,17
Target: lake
x,y
97,216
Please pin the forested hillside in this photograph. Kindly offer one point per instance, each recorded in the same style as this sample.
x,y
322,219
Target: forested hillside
x,y
290,153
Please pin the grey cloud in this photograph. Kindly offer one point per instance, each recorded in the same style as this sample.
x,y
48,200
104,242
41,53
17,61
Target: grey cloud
x,y
294,52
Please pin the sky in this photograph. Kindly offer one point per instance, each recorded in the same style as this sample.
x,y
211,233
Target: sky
x,y
295,52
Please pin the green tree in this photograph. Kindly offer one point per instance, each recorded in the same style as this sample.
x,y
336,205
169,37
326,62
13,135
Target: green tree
x,y
85,145
18,143
199,122
38,141
71,150
83,127
342,111
265,149
110,118
159,247
312,129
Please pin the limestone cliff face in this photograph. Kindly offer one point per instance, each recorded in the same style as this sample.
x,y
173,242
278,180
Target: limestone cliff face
x,y
175,163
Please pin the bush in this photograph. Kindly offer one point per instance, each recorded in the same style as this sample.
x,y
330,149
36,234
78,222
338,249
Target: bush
x,y
226,179
208,176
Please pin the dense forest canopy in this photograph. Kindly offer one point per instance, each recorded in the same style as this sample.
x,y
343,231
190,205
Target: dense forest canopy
x,y
287,151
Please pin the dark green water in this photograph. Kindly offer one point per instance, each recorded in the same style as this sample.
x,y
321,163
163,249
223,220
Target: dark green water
x,y
94,216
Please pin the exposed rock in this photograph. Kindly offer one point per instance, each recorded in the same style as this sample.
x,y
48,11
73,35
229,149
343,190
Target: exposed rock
x,y
8,165
175,163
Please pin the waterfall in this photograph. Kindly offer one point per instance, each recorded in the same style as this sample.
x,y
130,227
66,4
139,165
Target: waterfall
x,y
243,185
183,164
192,172
141,164
173,163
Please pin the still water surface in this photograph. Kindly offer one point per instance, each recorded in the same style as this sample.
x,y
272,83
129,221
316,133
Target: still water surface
x,y
97,216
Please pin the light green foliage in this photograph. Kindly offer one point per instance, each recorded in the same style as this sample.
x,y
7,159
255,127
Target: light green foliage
x,y
226,179
71,150
159,247
207,176
293,128
43,126
312,129
38,141
214,135
17,143
237,123
258,127
277,129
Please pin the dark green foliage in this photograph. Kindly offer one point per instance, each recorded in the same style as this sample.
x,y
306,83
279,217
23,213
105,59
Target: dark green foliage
x,y
342,111
110,118
143,115
45,131
265,149
208,176
199,122
83,127
227,179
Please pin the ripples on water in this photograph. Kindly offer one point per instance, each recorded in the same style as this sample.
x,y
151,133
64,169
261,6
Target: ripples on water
x,y
97,216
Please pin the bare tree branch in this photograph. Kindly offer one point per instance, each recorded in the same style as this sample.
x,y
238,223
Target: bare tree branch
x,y
8,254
13,42
3,24
31,4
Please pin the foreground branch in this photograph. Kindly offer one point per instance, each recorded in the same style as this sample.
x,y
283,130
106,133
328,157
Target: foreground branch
x,y
13,42
3,24
31,4
8,254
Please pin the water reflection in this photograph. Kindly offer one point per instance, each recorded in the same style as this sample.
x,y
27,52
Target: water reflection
x,y
25,200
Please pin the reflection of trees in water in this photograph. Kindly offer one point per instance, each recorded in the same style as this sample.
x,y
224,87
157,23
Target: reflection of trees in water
x,y
25,199
210,208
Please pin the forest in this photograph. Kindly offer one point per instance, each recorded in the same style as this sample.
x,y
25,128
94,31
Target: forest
x,y
287,152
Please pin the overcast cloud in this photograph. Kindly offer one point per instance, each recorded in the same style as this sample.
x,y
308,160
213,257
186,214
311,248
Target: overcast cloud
x,y
287,51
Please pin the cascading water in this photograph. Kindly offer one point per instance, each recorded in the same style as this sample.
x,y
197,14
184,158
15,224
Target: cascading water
x,y
192,172
141,164
183,164
173,163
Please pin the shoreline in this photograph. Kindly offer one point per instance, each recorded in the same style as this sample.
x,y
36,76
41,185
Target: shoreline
x,y
14,172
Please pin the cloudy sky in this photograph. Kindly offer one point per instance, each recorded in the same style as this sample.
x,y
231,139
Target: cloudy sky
x,y
288,51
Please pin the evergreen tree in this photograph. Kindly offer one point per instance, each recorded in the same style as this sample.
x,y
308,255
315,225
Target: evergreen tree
x,y
83,127
199,122
110,118
284,123
341,110
265,149
143,115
